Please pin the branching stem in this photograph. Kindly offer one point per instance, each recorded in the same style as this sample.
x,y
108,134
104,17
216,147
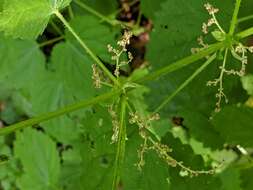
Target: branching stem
x,y
86,48
185,83
57,113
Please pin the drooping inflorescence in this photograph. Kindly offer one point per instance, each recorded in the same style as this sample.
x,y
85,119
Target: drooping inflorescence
x,y
237,50
117,53
162,150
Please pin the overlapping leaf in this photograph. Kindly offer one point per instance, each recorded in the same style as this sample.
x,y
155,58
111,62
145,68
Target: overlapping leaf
x,y
185,154
176,29
40,161
28,18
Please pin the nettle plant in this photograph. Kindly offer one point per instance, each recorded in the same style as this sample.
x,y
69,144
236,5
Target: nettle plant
x,y
94,127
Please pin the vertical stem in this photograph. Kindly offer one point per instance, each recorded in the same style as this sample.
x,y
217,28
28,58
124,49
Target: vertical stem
x,y
86,48
234,18
120,154
184,84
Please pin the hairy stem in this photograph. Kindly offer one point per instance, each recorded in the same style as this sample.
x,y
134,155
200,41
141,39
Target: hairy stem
x,y
246,33
234,18
121,142
51,41
185,83
182,62
57,113
56,28
86,48
246,18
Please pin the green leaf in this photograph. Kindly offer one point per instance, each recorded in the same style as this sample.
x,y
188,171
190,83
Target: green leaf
x,y
201,129
235,125
105,7
93,154
96,35
247,83
150,7
246,178
154,174
20,61
40,160
176,29
230,179
28,18
185,154
69,82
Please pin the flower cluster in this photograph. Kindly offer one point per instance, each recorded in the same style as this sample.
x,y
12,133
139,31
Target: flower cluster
x,y
162,150
143,124
212,21
238,51
115,123
117,53
96,76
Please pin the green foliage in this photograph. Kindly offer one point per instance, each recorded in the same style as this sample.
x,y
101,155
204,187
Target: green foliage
x,y
99,5
247,83
28,18
227,126
188,145
40,160
185,154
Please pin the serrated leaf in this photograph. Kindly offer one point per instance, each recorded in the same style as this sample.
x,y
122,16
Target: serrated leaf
x,y
28,18
176,29
20,61
185,154
235,125
201,129
154,174
93,154
96,35
40,160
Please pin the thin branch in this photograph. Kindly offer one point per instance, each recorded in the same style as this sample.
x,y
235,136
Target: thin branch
x,y
86,48
182,63
185,83
234,18
57,113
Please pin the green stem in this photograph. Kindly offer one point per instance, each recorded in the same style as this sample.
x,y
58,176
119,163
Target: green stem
x,y
94,12
246,18
86,48
182,63
121,142
246,33
71,14
51,41
184,84
56,28
57,113
234,18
